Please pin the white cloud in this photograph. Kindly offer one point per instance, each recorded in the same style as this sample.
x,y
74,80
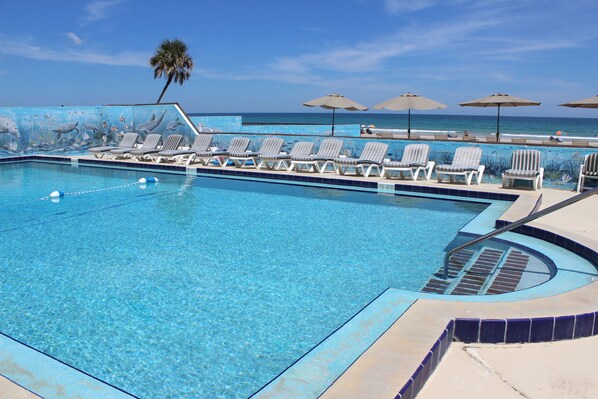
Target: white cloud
x,y
23,48
98,9
534,46
394,6
74,38
371,56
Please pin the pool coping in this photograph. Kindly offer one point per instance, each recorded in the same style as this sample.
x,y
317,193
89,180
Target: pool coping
x,y
459,326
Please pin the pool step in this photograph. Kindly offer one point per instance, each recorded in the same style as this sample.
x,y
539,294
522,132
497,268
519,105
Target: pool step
x,y
489,271
475,277
509,274
436,284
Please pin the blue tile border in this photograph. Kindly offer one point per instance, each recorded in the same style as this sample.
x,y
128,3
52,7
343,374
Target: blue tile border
x,y
399,188
493,331
556,239
518,331
429,363
456,192
498,331
535,329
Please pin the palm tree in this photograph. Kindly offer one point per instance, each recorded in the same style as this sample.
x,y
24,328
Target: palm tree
x,y
172,60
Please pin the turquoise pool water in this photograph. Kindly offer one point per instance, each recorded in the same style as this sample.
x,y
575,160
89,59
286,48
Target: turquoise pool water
x,y
200,287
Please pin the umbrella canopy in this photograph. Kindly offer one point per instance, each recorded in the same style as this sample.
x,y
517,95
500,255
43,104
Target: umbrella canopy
x,y
409,101
334,102
591,102
499,100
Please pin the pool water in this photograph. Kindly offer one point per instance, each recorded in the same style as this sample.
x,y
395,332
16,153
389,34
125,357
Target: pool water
x,y
200,287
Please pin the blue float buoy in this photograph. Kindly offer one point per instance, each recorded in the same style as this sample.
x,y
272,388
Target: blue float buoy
x,y
144,180
56,194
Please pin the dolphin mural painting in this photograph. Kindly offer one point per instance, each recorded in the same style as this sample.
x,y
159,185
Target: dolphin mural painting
x,y
173,125
9,126
148,127
66,128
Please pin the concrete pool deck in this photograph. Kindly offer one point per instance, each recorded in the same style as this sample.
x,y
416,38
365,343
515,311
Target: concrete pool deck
x,y
383,369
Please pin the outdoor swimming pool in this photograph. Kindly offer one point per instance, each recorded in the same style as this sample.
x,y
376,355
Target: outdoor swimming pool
x,y
200,287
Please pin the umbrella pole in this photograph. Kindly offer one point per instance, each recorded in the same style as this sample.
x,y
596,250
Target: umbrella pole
x,y
498,123
333,109
409,125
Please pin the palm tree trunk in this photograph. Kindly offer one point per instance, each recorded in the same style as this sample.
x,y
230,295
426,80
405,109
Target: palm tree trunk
x,y
164,89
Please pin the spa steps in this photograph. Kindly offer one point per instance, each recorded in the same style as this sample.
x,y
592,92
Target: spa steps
x,y
488,271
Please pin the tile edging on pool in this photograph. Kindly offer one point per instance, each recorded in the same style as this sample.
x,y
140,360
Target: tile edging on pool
x,y
556,239
90,387
496,331
300,178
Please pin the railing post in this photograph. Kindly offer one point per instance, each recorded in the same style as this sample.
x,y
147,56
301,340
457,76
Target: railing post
x,y
447,261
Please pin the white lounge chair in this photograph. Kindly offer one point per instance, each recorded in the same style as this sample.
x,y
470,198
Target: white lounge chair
x,y
466,163
172,143
236,145
281,161
151,142
371,157
414,160
329,150
128,141
202,143
525,165
271,145
588,170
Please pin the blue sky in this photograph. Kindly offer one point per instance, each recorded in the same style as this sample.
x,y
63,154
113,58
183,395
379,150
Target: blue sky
x,y
272,55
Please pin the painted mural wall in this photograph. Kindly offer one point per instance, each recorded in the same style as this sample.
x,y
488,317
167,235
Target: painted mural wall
x,y
234,124
42,130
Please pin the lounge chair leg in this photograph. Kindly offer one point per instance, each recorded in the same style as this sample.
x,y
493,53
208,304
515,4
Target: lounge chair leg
x,y
430,167
468,177
480,174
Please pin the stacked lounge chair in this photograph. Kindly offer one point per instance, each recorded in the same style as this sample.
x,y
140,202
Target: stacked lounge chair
x,y
202,143
128,141
281,161
415,159
466,163
525,165
371,157
172,142
236,146
329,150
588,170
271,145
151,142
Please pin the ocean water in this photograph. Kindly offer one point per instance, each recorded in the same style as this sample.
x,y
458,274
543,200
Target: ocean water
x,y
586,127
199,287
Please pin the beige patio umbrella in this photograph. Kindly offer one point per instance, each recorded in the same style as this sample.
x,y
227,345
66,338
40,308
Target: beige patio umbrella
x,y
410,101
499,100
591,102
334,102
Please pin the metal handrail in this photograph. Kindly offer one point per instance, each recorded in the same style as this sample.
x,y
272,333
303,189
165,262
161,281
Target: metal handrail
x,y
515,224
